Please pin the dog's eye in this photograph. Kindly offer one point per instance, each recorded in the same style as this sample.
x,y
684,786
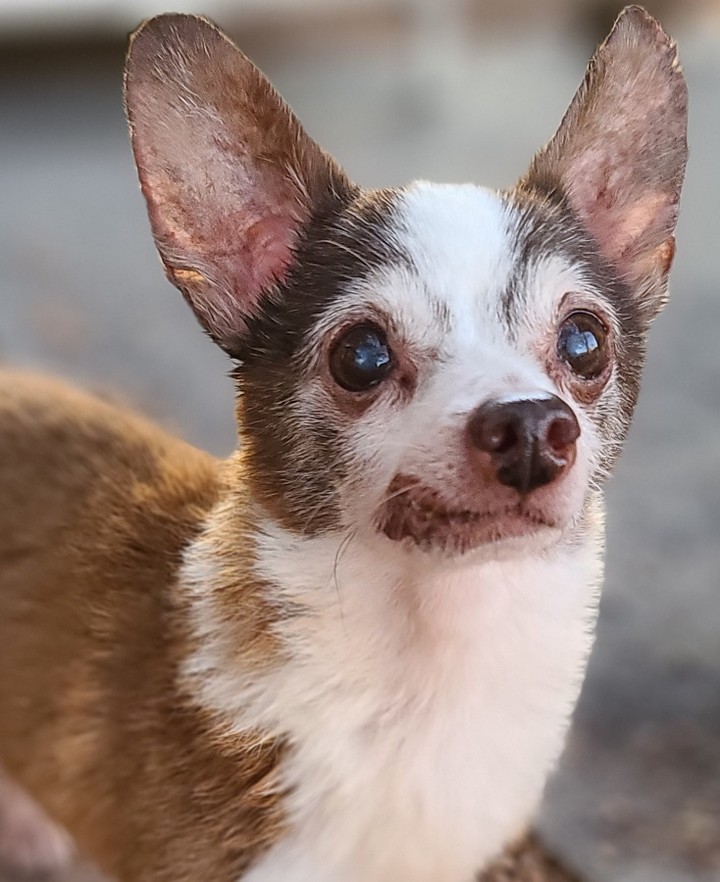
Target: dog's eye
x,y
361,358
582,344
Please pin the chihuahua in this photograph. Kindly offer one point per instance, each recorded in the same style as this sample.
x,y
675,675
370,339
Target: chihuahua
x,y
349,653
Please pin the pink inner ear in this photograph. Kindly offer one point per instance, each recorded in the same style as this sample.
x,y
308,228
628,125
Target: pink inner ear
x,y
619,154
637,219
265,255
624,219
226,272
241,262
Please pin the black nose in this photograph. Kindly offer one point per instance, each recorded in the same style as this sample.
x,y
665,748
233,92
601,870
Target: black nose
x,y
530,440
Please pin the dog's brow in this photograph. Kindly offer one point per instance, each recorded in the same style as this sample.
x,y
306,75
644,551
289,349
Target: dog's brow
x,y
511,302
442,313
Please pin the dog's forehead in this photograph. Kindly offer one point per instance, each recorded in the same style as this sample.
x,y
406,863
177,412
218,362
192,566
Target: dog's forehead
x,y
458,240
468,263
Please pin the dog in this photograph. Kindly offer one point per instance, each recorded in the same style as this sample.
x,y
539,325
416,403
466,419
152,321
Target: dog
x,y
350,653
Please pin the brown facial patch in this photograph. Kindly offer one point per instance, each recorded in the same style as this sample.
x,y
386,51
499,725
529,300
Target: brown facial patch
x,y
295,459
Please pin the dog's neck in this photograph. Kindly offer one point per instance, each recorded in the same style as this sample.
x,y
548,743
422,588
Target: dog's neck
x,y
448,684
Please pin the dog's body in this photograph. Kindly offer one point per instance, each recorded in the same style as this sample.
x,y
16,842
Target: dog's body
x,y
97,718
350,653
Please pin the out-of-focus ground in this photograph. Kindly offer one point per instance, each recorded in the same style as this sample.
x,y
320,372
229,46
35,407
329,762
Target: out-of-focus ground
x,y
637,797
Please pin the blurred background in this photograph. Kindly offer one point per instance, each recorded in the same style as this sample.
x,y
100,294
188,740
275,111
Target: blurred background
x,y
396,89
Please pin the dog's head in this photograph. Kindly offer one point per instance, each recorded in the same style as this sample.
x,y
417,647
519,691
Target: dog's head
x,y
445,365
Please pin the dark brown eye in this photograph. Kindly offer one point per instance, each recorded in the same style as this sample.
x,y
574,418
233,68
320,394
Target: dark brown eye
x,y
582,344
361,358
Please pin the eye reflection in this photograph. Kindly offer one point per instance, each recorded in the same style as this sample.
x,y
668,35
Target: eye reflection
x,y
582,344
361,359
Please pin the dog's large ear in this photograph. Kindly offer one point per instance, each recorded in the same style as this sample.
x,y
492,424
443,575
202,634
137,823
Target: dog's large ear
x,y
229,175
618,158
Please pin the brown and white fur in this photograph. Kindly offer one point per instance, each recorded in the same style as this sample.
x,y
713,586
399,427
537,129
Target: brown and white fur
x,y
350,653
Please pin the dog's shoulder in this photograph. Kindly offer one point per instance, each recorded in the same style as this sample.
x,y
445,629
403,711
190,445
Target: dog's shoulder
x,y
83,477
69,441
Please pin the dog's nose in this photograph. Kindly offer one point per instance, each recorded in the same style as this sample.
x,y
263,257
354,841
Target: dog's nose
x,y
530,440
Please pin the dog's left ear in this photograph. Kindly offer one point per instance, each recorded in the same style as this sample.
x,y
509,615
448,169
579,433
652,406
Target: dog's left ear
x,y
618,158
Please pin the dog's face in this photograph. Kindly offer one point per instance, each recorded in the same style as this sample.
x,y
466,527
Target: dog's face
x,y
459,370
445,366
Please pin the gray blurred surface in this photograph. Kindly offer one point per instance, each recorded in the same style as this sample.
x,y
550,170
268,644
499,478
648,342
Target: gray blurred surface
x,y
81,294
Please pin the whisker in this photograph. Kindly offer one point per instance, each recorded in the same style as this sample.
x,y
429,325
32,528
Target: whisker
x,y
394,495
342,548
348,250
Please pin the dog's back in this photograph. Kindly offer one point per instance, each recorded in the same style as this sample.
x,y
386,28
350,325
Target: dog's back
x,y
97,506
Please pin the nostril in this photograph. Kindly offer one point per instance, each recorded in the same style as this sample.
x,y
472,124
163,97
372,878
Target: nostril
x,y
563,431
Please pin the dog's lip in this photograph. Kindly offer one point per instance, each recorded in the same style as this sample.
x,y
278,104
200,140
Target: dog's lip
x,y
419,512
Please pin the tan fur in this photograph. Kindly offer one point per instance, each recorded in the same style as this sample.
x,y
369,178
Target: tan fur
x,y
528,861
96,507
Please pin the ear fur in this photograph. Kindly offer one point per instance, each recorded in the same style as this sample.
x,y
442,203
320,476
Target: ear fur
x,y
229,175
618,159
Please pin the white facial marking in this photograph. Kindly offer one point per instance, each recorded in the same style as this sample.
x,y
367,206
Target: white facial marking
x,y
446,306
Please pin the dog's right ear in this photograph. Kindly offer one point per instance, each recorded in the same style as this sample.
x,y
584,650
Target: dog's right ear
x,y
229,174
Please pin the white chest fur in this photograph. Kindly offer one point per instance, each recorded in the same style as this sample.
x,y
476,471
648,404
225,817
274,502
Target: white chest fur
x,y
425,705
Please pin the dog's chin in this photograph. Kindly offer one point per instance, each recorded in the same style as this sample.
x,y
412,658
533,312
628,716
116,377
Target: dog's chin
x,y
495,533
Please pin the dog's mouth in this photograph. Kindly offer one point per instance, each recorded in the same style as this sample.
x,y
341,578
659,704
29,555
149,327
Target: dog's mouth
x,y
422,515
